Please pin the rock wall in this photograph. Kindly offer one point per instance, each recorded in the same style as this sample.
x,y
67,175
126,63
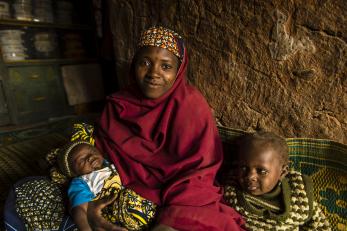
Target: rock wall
x,y
274,65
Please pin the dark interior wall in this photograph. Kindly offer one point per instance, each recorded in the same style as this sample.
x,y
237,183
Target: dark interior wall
x,y
274,65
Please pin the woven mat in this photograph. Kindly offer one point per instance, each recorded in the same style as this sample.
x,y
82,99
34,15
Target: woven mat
x,y
324,160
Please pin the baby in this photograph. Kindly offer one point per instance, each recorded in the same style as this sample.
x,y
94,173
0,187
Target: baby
x,y
93,178
266,193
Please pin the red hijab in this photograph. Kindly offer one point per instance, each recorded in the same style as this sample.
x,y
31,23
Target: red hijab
x,y
168,151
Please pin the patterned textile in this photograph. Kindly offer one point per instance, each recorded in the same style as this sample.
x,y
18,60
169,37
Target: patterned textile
x,y
12,221
158,36
129,210
300,213
39,204
325,161
83,132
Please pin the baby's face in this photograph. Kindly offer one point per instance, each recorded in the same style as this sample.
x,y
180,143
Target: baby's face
x,y
86,159
259,170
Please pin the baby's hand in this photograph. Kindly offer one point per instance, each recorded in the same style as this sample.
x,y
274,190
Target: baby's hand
x,y
96,220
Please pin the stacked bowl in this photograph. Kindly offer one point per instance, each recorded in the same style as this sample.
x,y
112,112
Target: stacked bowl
x,y
23,10
45,44
64,12
43,11
4,10
12,45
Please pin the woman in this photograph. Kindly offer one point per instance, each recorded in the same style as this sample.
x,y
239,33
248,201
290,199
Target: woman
x,y
161,135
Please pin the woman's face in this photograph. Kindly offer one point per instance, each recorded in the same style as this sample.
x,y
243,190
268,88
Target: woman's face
x,y
85,159
259,170
155,69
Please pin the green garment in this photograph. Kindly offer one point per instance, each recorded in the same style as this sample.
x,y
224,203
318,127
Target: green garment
x,y
290,206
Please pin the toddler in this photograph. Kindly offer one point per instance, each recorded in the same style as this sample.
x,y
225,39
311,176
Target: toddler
x,y
266,193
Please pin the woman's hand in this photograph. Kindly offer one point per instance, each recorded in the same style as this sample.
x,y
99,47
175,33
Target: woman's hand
x,y
96,220
161,227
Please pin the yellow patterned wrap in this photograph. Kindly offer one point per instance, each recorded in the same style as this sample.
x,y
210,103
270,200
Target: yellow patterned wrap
x,y
129,210
83,132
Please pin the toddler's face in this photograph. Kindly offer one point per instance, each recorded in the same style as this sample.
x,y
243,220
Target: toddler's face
x,y
259,170
86,159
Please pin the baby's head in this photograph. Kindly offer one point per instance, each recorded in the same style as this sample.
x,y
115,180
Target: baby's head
x,y
79,158
261,162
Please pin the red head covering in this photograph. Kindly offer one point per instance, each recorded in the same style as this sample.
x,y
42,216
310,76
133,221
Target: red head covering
x,y
168,151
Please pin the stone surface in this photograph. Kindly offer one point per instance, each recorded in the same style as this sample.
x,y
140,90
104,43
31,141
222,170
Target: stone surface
x,y
274,65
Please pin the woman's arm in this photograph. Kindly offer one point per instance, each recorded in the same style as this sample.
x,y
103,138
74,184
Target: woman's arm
x,y
79,215
96,220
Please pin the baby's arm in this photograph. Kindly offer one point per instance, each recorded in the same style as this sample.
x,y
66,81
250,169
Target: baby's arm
x,y
79,214
79,195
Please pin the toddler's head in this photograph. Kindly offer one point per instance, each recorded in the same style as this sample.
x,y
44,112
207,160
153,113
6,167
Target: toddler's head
x,y
261,162
79,158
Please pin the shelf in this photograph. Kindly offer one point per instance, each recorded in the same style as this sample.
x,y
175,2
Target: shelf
x,y
32,88
20,23
49,61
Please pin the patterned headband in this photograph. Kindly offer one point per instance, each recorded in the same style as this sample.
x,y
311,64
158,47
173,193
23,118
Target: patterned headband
x,y
159,36
58,158
64,158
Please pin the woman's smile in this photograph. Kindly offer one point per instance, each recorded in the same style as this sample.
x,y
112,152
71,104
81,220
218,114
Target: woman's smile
x,y
152,83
